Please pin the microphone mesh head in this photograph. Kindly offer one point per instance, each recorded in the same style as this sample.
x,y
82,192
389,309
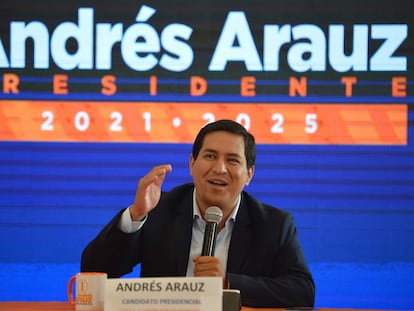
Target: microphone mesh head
x,y
214,214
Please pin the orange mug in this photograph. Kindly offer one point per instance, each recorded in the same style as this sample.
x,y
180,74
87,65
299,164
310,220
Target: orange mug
x,y
90,290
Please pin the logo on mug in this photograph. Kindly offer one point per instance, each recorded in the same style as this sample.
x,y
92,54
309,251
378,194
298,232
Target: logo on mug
x,y
83,286
84,298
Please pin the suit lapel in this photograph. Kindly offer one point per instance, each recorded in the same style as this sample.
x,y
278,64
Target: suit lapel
x,y
240,240
183,226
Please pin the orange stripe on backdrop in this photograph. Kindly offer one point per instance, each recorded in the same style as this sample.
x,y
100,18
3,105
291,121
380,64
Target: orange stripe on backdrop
x,y
271,123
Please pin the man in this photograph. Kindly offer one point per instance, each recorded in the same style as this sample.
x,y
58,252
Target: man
x,y
257,248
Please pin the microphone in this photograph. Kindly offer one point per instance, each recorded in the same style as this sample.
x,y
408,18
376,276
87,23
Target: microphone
x,y
213,217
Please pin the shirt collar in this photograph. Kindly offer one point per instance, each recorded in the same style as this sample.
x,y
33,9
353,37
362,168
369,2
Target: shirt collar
x,y
197,214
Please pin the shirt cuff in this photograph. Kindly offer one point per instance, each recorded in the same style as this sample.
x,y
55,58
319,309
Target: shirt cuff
x,y
126,224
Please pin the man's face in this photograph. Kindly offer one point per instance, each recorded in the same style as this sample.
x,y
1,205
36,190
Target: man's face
x,y
220,170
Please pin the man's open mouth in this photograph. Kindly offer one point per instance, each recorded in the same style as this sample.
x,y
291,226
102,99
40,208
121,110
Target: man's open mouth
x,y
217,183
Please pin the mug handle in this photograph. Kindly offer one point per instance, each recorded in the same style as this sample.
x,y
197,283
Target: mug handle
x,y
70,290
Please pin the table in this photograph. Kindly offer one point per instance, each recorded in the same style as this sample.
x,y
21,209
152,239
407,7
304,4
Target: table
x,y
61,306
66,306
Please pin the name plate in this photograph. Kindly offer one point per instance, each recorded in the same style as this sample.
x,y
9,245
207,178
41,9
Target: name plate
x,y
164,294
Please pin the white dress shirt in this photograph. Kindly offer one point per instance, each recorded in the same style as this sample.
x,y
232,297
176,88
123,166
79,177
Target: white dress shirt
x,y
223,237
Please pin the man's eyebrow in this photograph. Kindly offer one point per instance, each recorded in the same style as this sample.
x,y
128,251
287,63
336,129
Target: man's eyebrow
x,y
209,150
232,154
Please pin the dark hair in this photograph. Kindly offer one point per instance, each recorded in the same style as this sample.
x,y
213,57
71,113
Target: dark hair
x,y
231,127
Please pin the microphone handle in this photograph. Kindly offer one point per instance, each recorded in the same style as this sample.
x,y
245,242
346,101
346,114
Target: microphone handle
x,y
209,243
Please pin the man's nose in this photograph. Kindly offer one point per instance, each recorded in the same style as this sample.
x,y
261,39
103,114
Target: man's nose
x,y
220,166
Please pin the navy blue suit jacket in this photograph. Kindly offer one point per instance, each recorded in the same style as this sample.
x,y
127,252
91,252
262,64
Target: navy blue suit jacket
x,y
265,260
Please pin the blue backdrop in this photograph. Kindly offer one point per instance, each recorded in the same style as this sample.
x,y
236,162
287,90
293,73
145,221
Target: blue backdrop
x,y
354,208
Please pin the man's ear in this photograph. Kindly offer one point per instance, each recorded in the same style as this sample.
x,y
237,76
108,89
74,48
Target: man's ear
x,y
250,173
191,164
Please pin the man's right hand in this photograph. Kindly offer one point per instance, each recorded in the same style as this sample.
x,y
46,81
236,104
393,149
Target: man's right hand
x,y
149,192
